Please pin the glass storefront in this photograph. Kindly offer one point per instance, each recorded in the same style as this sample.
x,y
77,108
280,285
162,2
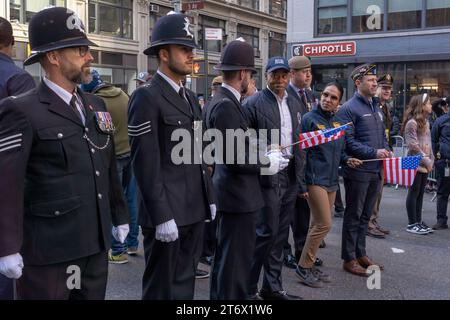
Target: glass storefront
x,y
324,74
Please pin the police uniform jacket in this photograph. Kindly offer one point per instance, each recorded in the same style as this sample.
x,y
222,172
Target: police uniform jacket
x,y
168,189
440,138
59,193
13,80
364,136
322,161
237,185
263,113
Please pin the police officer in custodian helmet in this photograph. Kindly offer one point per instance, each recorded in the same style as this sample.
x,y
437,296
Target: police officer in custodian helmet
x,y
176,195
59,191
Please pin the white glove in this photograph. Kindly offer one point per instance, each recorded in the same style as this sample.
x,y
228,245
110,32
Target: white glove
x,y
120,232
213,209
11,266
167,231
277,163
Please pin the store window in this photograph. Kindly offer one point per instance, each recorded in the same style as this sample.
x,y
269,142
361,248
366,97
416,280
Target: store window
x,y
252,4
209,22
404,14
251,36
24,10
277,44
111,18
156,12
367,15
332,16
438,13
277,8
324,74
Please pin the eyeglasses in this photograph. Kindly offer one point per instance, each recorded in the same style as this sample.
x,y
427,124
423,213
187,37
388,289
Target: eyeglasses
x,y
83,51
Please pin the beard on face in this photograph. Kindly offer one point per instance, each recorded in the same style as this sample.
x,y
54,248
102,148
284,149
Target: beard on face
x,y
78,75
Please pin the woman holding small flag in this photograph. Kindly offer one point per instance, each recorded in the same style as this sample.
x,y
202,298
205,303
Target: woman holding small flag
x,y
324,152
416,130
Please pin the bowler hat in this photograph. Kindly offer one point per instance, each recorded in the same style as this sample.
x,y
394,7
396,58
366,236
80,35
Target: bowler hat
x,y
53,29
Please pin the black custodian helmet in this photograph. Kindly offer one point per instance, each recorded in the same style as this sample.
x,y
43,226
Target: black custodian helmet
x,y
55,28
237,55
174,28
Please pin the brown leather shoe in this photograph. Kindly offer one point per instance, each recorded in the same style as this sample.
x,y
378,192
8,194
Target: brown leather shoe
x,y
366,262
374,232
355,268
385,231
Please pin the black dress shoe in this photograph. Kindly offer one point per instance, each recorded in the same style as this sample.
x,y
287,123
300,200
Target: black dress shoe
x,y
255,296
290,262
278,295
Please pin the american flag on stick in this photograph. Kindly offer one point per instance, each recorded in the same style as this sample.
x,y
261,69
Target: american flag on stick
x,y
401,170
315,138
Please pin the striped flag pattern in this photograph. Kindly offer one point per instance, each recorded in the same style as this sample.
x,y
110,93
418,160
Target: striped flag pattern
x,y
315,138
401,170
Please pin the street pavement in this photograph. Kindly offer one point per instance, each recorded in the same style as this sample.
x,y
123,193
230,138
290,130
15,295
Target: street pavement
x,y
418,270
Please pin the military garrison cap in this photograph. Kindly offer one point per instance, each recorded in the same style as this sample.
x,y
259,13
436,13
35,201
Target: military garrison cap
x,y
367,69
385,80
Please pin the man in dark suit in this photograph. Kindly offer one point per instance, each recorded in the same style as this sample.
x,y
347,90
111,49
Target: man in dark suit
x,y
274,110
13,81
59,191
236,176
301,77
175,187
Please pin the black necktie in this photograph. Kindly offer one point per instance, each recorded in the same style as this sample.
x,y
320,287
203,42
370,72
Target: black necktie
x,y
74,107
183,96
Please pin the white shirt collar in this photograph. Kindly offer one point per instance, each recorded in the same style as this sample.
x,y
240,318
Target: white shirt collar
x,y
61,92
277,96
236,93
173,84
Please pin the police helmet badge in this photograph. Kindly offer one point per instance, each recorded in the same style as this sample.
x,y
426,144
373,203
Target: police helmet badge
x,y
104,122
189,28
74,22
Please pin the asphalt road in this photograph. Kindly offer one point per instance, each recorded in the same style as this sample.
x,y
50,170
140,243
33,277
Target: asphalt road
x,y
418,270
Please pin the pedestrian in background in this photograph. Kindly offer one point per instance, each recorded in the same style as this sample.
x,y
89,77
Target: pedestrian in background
x,y
416,130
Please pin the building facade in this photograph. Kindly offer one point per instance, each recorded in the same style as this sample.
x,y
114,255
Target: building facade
x,y
408,38
122,29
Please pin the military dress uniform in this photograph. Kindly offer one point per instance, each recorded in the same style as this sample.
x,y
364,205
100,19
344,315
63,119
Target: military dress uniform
x,y
169,190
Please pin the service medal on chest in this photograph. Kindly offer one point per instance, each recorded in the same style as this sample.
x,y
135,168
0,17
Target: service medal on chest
x,y
104,122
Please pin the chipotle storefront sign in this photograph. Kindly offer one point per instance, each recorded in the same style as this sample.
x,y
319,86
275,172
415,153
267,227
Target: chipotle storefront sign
x,y
326,49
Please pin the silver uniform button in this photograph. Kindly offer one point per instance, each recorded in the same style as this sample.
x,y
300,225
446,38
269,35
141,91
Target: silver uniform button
x,y
100,197
204,172
93,150
86,129
60,135
57,213
97,173
179,122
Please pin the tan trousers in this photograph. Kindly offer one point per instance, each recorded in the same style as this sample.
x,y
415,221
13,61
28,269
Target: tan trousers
x,y
320,201
373,223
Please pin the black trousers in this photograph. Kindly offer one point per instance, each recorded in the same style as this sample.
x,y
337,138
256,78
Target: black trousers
x,y
6,288
234,256
414,199
300,226
338,204
360,198
443,192
272,232
210,238
50,282
170,267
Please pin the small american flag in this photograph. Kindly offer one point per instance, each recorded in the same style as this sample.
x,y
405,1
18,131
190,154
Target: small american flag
x,y
401,170
314,138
